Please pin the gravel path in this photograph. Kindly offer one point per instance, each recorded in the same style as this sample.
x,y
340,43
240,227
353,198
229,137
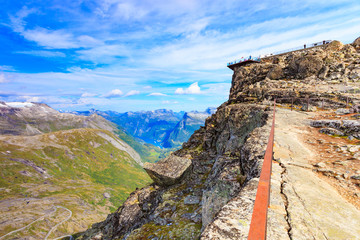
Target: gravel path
x,y
54,228
42,218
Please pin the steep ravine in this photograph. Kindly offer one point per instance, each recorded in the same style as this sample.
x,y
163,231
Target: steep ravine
x,y
214,198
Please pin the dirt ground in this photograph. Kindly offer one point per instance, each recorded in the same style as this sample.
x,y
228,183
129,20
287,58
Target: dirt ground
x,y
335,153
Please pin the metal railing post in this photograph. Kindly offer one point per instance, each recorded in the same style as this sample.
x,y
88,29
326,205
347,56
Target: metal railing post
x,y
307,103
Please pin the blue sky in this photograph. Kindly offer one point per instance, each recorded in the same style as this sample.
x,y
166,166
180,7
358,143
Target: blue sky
x,y
143,55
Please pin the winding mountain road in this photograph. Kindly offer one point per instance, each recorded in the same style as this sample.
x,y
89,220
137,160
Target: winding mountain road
x,y
42,218
53,228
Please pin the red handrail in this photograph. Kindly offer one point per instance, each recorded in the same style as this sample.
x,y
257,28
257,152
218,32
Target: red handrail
x,y
259,217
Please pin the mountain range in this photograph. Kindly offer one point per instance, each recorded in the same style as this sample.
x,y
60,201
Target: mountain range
x,y
61,163
85,164
163,128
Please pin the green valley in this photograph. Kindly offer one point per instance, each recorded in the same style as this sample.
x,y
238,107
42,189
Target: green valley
x,y
58,183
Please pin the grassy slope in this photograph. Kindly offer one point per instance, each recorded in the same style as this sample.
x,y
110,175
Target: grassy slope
x,y
147,152
82,166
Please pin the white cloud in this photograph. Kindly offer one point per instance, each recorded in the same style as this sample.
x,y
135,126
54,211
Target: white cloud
x,y
103,54
47,38
17,22
157,94
7,68
129,11
169,102
131,93
2,78
88,41
114,93
60,39
86,94
43,53
33,99
192,89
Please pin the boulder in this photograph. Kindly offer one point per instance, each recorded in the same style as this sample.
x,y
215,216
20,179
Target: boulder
x,y
326,123
275,73
356,43
305,66
168,171
337,127
334,46
331,131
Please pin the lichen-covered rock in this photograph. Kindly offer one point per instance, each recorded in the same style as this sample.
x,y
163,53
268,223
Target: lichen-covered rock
x,y
305,66
233,220
331,131
275,73
342,111
133,213
168,171
326,123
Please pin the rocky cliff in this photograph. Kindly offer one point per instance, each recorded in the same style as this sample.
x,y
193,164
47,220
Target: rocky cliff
x,y
212,198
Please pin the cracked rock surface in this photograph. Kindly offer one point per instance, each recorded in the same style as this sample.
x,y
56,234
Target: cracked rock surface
x,y
310,207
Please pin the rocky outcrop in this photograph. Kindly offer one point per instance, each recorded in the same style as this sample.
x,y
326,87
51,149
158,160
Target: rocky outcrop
x,y
132,214
326,74
304,66
349,128
168,171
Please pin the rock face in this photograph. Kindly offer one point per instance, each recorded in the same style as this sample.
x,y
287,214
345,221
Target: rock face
x,y
337,127
129,216
214,200
234,224
168,171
